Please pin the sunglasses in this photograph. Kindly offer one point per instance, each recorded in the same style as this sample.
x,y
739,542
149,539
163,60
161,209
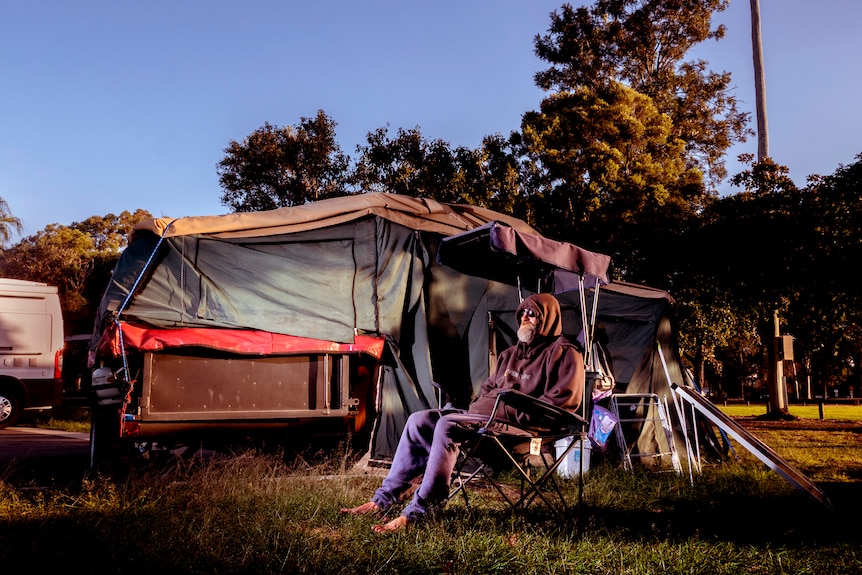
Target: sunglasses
x,y
529,313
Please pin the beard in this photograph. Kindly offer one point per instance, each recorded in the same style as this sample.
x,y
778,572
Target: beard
x,y
526,334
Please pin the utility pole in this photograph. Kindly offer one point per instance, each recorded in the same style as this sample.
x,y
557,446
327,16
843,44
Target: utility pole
x,y
759,83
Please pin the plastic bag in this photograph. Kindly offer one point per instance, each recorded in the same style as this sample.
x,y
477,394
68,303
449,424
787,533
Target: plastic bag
x,y
602,424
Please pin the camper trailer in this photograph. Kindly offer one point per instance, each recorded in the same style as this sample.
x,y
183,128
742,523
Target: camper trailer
x,y
326,318
31,348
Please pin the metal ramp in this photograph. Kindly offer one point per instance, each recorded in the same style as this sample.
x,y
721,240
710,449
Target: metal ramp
x,y
759,449
643,410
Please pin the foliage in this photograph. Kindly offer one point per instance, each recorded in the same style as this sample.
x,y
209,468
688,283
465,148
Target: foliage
x,y
77,259
8,223
276,167
643,44
110,233
723,346
757,247
606,160
827,313
410,164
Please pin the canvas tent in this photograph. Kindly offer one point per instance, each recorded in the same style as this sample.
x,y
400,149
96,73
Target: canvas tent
x,y
330,271
346,269
638,327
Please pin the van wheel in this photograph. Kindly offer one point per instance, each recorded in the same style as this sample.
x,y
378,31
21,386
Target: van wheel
x,y
10,408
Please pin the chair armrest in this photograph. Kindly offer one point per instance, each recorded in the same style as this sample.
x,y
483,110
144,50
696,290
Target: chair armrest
x,y
541,410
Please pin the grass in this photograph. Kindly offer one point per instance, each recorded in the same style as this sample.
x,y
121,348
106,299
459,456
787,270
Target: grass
x,y
830,411
75,419
252,512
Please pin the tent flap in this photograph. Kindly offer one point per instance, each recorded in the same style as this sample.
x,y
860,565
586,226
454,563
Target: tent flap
x,y
499,252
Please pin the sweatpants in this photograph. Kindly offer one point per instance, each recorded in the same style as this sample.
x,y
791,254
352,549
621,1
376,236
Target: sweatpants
x,y
429,446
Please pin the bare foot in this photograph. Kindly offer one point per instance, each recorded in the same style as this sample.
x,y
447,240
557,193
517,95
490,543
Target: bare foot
x,y
397,524
369,508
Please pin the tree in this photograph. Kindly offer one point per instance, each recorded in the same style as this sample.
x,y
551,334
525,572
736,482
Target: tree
x,y
753,245
78,259
8,223
607,171
406,164
110,232
283,166
59,256
826,317
410,164
643,43
723,346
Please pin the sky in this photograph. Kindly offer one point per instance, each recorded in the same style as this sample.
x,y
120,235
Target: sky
x,y
109,106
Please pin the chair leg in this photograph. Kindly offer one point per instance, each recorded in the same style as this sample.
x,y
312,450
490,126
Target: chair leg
x,y
481,470
548,476
530,489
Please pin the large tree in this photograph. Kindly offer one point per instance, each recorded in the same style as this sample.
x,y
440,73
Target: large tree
x,y
606,171
826,317
644,44
274,167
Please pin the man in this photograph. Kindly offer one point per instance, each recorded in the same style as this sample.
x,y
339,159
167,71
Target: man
x,y
543,364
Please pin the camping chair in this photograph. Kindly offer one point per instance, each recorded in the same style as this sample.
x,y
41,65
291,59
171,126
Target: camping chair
x,y
552,425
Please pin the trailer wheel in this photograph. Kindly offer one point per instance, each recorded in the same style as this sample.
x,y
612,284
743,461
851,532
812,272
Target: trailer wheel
x,y
10,408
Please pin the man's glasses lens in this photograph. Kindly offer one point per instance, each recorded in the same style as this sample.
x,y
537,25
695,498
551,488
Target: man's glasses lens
x,y
528,313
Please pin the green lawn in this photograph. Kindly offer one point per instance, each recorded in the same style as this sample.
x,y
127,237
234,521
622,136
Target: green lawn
x,y
830,411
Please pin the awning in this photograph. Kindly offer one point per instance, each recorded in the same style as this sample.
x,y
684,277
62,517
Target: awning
x,y
498,252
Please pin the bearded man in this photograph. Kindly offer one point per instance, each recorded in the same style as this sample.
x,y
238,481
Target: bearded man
x,y
543,364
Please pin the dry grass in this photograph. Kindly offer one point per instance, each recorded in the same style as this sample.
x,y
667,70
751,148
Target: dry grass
x,y
253,513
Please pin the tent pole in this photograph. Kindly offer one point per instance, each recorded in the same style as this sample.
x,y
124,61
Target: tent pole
x,y
595,311
584,323
679,412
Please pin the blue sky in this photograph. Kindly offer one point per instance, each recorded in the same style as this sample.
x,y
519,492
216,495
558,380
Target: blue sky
x,y
110,106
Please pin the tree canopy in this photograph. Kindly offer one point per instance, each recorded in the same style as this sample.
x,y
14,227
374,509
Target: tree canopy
x,y
274,167
78,259
644,45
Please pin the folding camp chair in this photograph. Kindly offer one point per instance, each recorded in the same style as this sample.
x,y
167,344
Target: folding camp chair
x,y
551,424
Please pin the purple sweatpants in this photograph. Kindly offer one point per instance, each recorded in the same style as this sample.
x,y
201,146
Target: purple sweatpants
x,y
429,446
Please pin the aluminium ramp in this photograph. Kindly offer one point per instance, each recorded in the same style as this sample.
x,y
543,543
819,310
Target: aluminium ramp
x,y
759,449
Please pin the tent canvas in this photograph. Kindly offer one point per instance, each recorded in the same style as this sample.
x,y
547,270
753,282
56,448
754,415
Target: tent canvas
x,y
330,270
637,325
365,265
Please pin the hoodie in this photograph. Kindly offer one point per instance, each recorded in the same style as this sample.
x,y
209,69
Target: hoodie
x,y
550,367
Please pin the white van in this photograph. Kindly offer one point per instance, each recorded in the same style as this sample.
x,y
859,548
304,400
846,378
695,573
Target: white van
x,y
31,348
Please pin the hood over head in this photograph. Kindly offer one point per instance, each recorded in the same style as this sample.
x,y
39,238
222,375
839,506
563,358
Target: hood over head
x,y
546,306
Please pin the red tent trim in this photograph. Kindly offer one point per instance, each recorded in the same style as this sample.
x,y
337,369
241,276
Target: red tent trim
x,y
252,342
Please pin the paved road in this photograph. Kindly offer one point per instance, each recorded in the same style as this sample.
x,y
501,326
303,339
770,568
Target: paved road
x,y
43,457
